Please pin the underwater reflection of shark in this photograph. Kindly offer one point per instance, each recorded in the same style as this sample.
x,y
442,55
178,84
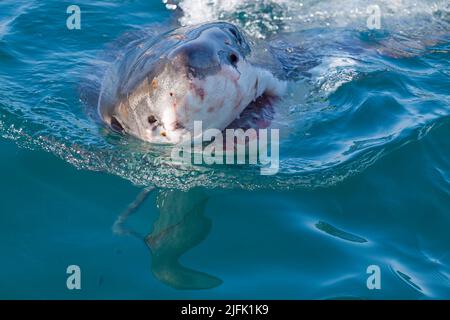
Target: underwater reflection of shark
x,y
181,226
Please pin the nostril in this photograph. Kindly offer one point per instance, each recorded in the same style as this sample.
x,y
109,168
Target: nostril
x,y
115,125
234,59
151,119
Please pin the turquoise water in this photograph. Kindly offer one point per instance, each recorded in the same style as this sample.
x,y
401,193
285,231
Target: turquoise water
x,y
364,177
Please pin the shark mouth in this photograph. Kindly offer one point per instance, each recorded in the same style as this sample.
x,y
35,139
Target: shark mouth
x,y
257,115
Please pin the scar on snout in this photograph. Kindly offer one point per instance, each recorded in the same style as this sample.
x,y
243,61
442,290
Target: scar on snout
x,y
154,84
201,93
219,106
179,37
123,108
238,105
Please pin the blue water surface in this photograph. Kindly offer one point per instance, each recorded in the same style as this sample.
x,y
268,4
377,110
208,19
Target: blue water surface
x,y
364,177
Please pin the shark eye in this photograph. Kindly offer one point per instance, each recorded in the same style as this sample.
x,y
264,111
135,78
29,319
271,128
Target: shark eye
x,y
115,125
234,59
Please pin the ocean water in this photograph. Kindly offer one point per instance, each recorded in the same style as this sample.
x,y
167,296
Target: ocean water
x,y
364,160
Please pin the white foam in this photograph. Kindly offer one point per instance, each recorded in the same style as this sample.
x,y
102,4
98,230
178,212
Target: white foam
x,y
199,11
333,72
